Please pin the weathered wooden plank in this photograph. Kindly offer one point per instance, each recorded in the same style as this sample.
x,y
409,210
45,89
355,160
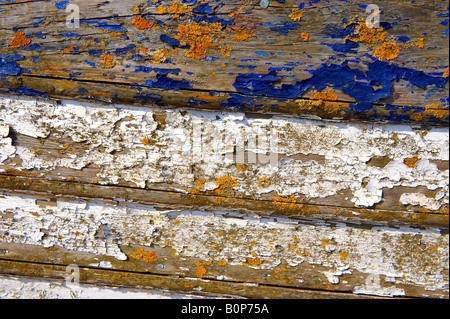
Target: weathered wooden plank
x,y
275,61
192,287
105,92
19,287
275,208
231,157
225,249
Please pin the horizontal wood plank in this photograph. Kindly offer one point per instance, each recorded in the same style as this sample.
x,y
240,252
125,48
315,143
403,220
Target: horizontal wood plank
x,y
172,246
231,158
274,64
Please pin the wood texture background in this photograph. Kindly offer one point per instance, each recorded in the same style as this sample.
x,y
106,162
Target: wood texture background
x,y
150,109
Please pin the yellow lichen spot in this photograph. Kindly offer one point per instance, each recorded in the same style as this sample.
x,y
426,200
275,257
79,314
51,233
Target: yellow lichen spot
x,y
176,8
305,36
252,243
145,141
253,262
225,184
324,96
325,242
19,40
140,23
369,36
296,14
162,55
388,51
144,51
201,271
198,37
108,62
144,255
445,75
420,43
222,262
226,50
411,162
199,186
67,50
241,34
286,203
264,182
241,167
115,34
343,255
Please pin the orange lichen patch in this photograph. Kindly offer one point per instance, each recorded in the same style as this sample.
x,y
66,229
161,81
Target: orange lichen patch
x,y
145,141
240,34
369,36
226,50
222,262
67,50
225,184
144,51
253,262
198,37
19,40
430,111
201,271
286,203
241,167
108,62
445,75
388,51
343,255
296,14
162,55
199,186
325,242
411,162
305,36
420,43
205,96
144,255
176,8
324,96
264,182
115,34
140,23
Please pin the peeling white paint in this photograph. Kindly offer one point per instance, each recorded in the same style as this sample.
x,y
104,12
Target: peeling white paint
x,y
28,288
6,148
194,145
406,256
416,199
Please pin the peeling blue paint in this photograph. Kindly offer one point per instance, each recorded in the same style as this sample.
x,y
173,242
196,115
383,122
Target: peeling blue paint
x,y
9,65
352,82
169,40
163,82
347,47
62,5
